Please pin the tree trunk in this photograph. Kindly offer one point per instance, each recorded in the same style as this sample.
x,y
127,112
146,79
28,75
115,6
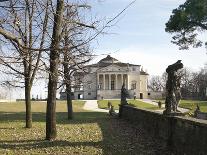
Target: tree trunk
x,y
28,103
69,100
51,131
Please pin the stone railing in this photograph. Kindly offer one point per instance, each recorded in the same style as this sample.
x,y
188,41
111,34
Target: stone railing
x,y
201,115
183,135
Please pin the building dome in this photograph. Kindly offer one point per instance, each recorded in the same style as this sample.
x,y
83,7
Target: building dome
x,y
108,59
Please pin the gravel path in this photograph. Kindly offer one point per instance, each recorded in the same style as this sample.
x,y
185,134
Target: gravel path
x,y
92,105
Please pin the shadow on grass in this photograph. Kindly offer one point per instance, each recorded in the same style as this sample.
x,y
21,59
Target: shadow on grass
x,y
7,128
61,117
118,137
34,144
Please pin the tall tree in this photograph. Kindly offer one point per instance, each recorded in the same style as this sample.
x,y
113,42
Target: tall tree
x,y
187,21
156,83
78,54
51,131
23,26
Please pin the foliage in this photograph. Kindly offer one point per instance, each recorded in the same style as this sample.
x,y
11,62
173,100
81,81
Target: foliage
x,y
103,104
186,21
88,133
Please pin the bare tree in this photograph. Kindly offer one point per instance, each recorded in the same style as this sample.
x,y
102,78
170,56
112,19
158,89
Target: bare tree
x,y
75,58
23,26
156,83
51,131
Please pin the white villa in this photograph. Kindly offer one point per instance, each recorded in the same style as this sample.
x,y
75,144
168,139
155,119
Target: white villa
x,y
105,79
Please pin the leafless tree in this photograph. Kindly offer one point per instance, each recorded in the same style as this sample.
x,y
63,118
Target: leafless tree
x,y
28,30
75,58
156,83
23,26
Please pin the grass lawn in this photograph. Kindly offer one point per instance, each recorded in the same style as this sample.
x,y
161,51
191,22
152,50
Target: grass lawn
x,y
88,133
103,104
191,104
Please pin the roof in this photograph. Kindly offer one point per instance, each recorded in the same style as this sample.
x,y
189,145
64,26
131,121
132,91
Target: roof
x,y
107,64
110,60
107,61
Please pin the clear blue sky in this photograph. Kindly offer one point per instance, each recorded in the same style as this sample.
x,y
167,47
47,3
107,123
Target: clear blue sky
x,y
139,37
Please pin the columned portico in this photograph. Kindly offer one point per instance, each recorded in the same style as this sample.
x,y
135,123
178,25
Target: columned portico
x,y
112,81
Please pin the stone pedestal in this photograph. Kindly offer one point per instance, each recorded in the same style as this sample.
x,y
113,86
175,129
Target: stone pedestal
x,y
177,113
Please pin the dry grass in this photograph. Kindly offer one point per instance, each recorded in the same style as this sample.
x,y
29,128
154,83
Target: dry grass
x,y
88,133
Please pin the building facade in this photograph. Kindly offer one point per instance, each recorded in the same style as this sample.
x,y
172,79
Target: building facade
x,y
104,80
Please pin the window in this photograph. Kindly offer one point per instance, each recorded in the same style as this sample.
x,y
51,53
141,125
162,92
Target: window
x,y
112,85
134,69
89,93
133,86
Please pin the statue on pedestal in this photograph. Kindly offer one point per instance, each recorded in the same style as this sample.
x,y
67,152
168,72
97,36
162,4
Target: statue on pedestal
x,y
124,95
173,94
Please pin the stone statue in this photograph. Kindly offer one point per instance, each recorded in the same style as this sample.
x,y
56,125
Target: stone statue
x,y
111,110
173,95
124,95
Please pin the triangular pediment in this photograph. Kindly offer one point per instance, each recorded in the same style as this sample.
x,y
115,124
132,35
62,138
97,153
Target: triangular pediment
x,y
112,68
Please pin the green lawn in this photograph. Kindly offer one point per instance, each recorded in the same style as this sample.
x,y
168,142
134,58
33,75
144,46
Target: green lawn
x,y
103,104
88,133
191,104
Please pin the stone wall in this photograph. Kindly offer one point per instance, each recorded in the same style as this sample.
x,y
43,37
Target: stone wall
x,y
143,85
183,135
155,95
108,94
89,86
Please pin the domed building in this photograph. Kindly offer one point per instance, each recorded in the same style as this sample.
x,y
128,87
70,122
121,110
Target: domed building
x,y
104,80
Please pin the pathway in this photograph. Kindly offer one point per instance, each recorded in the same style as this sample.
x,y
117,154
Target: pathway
x,y
183,110
92,105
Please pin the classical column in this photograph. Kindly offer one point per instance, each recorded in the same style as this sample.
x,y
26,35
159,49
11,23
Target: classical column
x,y
121,80
98,81
116,79
103,81
126,81
127,84
109,81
